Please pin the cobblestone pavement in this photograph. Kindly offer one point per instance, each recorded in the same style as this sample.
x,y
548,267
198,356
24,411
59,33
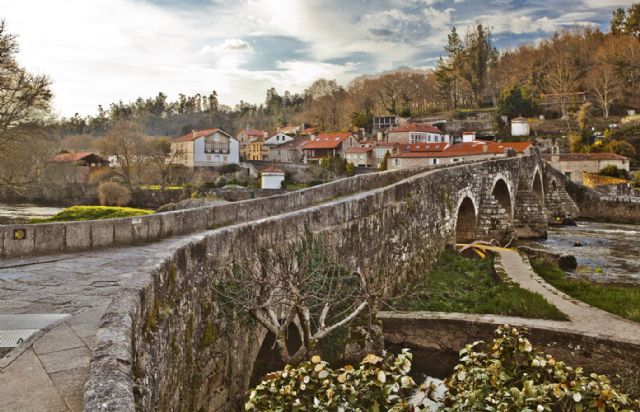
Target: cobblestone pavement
x,y
48,372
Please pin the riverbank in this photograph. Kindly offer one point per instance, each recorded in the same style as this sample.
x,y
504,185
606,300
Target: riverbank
x,y
24,212
607,252
623,301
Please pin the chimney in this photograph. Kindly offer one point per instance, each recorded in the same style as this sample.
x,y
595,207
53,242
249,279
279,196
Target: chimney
x,y
485,148
555,153
193,134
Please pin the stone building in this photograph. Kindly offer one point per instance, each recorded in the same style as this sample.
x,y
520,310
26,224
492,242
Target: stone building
x,y
416,133
573,165
289,152
328,145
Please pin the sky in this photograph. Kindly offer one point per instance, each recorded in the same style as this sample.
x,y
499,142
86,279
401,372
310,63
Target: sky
x,y
102,51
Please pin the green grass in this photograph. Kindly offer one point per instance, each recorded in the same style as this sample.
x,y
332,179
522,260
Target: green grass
x,y
74,213
458,284
621,300
296,186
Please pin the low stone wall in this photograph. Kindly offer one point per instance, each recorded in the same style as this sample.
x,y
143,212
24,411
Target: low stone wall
x,y
450,332
168,344
37,239
595,206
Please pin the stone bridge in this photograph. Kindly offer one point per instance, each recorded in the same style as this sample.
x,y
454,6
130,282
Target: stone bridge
x,y
133,321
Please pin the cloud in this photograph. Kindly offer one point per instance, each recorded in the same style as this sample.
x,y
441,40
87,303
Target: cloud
x,y
103,51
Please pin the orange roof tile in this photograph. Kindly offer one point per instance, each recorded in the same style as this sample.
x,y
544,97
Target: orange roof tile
x,y
327,141
273,169
70,157
200,133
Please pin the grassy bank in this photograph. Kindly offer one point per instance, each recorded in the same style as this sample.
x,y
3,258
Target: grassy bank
x,y
74,213
620,300
458,284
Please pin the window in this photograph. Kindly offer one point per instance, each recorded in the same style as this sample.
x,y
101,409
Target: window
x,y
567,175
435,161
396,162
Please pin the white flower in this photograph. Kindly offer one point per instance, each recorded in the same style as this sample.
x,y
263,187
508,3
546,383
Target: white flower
x,y
382,377
540,408
577,397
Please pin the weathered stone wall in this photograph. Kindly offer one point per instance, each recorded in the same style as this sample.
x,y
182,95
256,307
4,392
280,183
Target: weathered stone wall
x,y
594,206
74,236
448,333
167,345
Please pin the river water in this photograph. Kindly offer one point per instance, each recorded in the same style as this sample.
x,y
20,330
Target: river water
x,y
609,252
22,213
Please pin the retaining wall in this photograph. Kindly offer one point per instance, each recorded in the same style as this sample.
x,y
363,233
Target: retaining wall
x,y
595,206
450,332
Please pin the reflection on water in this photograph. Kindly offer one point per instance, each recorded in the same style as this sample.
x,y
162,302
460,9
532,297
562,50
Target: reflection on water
x,y
22,213
609,252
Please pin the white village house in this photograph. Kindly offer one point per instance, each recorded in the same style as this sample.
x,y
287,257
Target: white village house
x,y
272,178
203,148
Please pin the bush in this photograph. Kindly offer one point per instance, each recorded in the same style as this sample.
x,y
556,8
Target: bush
x,y
514,376
378,384
229,168
613,171
113,194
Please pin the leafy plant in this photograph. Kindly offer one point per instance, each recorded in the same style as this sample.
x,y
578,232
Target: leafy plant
x,y
513,376
380,383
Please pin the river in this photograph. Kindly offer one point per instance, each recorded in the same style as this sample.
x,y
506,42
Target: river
x,y
23,212
609,252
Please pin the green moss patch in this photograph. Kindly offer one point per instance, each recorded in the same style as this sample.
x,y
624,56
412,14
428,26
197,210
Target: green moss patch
x,y
76,213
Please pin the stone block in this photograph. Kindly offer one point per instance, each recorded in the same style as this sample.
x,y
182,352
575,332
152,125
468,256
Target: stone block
x,y
49,238
102,233
19,240
140,229
77,236
122,231
154,227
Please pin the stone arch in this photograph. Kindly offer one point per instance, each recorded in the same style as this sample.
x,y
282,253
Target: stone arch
x,y
536,185
502,192
466,216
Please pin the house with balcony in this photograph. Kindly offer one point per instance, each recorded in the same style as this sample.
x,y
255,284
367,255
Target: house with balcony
x,y
204,148
417,133
328,145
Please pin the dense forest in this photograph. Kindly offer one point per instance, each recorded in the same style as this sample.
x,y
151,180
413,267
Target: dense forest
x,y
549,77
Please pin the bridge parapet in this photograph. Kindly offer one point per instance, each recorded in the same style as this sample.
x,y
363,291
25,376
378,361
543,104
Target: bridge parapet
x,y
168,338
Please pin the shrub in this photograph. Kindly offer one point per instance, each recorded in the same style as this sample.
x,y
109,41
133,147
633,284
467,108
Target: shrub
x,y
613,171
113,194
380,383
514,376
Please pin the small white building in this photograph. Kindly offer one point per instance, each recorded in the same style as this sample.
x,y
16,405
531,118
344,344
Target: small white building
x,y
520,126
272,178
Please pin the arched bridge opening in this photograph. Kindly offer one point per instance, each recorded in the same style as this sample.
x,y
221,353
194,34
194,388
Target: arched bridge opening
x,y
466,222
502,194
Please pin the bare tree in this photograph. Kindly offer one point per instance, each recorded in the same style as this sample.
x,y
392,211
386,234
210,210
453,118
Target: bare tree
x,y
301,286
24,97
126,142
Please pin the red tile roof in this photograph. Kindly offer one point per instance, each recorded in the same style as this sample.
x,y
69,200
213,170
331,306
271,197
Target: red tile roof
x,y
415,127
327,141
253,132
200,133
70,157
577,157
478,147
423,147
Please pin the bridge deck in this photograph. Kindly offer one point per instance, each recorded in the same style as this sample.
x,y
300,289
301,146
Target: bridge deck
x,y
48,372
